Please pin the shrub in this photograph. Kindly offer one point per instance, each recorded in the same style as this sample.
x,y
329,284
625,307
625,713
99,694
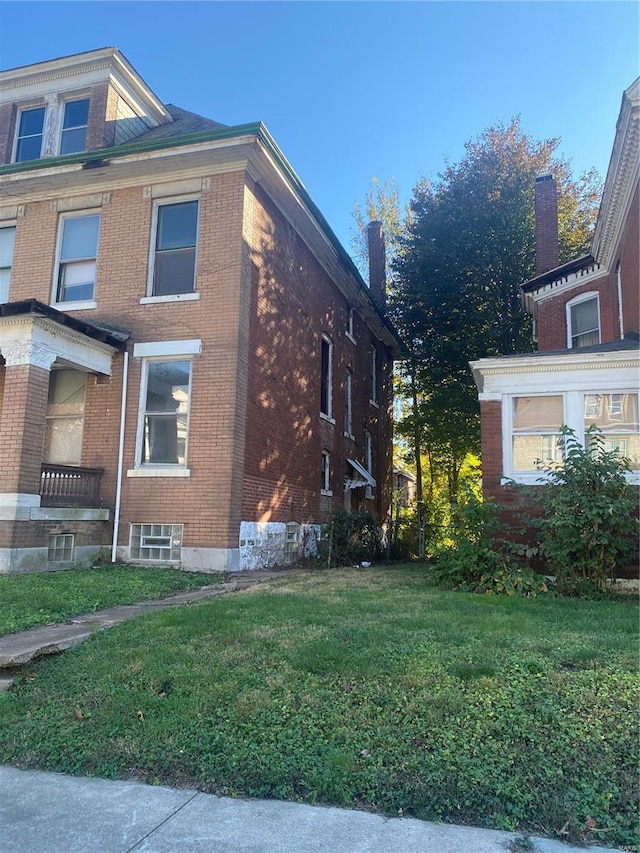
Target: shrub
x,y
482,560
588,529
352,538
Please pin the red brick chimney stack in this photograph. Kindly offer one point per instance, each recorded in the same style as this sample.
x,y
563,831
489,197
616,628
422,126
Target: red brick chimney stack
x,y
546,215
377,264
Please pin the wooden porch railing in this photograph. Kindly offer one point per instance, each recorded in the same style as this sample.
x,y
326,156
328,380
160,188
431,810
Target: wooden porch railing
x,y
67,485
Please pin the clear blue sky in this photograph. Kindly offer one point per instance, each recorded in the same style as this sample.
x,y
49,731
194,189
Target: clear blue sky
x,y
356,90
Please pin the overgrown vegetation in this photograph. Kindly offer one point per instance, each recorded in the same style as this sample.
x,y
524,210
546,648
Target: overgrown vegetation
x,y
351,538
589,527
481,558
41,599
367,689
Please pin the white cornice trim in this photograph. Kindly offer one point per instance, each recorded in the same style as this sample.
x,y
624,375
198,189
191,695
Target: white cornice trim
x,y
551,363
622,178
588,275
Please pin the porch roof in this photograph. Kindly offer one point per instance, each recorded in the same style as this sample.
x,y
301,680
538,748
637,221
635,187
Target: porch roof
x,y
112,337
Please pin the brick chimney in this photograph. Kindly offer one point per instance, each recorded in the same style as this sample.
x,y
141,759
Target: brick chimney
x,y
546,215
377,264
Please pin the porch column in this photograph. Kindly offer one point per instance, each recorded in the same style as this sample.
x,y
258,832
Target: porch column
x,y
22,426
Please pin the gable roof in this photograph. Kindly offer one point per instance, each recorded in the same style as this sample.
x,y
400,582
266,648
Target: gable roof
x,y
184,122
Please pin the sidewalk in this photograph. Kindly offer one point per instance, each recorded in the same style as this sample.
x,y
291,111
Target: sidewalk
x,y
51,813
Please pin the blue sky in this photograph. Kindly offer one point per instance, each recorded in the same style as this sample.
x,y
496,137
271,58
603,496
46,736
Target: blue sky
x,y
357,90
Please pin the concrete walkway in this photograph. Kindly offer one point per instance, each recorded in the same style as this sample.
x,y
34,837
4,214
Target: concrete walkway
x,y
51,813
18,649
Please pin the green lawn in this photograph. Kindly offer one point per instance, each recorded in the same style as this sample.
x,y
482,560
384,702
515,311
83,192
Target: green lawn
x,y
40,599
358,688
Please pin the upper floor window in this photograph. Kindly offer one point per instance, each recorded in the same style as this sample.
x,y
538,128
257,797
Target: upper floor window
x,y
74,126
348,418
30,134
373,376
583,320
7,238
174,256
76,274
325,377
349,323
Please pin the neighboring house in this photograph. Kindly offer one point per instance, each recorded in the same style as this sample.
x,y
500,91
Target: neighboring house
x,y
192,370
586,320
404,488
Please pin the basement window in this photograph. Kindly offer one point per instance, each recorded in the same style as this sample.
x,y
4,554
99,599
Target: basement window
x,y
60,549
156,542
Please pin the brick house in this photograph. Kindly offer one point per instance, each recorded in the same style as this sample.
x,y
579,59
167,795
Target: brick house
x,y
192,370
586,322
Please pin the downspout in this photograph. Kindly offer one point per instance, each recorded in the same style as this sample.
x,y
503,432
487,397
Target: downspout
x,y
123,412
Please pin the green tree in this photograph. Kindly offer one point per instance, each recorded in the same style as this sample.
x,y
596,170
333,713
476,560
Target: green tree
x,y
466,247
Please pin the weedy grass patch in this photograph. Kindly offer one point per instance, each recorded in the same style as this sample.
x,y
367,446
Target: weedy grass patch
x,y
40,599
367,689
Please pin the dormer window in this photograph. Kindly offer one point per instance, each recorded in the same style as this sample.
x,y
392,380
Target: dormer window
x,y
74,126
55,128
30,134
583,321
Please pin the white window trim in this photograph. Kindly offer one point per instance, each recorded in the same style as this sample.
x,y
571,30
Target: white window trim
x,y
167,201
158,349
328,415
348,399
573,412
10,223
583,297
59,119
349,330
373,365
174,297
140,468
327,482
25,108
81,304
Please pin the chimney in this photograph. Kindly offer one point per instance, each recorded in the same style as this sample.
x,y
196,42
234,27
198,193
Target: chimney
x,y
546,215
377,264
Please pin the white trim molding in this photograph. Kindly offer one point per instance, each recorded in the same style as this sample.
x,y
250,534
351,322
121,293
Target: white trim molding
x,y
157,349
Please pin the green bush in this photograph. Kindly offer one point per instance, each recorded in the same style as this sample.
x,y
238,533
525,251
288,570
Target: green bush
x,y
589,526
352,538
482,559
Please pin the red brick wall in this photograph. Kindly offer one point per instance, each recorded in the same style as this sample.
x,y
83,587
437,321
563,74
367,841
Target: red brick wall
x,y
8,114
552,313
293,303
24,403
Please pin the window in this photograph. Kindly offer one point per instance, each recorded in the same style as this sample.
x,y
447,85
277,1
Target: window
x,y
583,321
30,134
325,474
368,461
348,426
291,542
616,415
165,412
64,420
174,260
325,379
156,542
373,378
535,432
7,238
74,126
349,323
77,259
60,548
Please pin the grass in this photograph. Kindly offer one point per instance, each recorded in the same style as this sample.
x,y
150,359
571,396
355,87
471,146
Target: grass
x,y
368,689
41,599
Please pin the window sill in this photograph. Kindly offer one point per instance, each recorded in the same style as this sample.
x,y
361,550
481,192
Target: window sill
x,y
349,436
327,418
173,297
159,472
80,305
328,493
374,404
528,478
350,337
